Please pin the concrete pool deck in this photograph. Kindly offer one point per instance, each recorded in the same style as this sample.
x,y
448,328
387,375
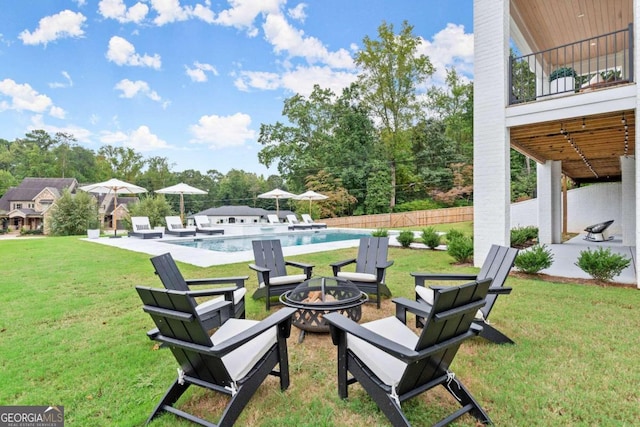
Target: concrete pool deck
x,y
207,258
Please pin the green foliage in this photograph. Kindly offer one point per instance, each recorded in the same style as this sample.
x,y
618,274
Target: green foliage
x,y
378,193
418,205
71,214
562,72
406,238
380,232
522,235
602,264
534,259
454,234
155,207
461,249
430,237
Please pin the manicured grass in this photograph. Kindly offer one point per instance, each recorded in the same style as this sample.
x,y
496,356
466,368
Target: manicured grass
x,y
72,333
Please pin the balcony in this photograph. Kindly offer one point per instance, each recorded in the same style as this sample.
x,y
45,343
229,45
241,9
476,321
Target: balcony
x,y
591,64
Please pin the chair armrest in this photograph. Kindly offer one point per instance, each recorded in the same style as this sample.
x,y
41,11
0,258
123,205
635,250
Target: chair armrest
x,y
214,291
403,305
337,266
500,291
307,268
340,324
385,265
420,278
281,319
258,268
238,281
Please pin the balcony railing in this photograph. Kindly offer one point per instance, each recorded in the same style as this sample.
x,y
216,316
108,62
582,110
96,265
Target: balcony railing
x,y
585,65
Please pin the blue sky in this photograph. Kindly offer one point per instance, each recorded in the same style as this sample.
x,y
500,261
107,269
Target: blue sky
x,y
193,80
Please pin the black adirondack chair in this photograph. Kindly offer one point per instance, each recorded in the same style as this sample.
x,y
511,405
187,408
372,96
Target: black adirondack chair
x,y
271,267
234,361
497,266
393,364
170,276
370,267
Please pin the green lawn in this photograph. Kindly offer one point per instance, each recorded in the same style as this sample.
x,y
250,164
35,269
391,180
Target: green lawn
x,y
72,333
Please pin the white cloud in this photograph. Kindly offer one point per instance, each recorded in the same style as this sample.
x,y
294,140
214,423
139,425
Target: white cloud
x,y
170,11
450,47
198,72
222,131
258,80
80,134
286,38
122,52
130,89
297,13
81,3
116,9
140,139
243,13
51,28
22,97
68,83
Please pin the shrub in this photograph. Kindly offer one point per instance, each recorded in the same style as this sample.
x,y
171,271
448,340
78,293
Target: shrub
x,y
430,237
454,234
406,238
522,235
602,264
380,232
461,249
535,259
562,72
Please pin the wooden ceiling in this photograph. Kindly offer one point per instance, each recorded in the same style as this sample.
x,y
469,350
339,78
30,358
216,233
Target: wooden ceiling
x,y
546,24
588,154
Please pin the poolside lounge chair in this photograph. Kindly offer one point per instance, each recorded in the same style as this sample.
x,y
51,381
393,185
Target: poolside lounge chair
x,y
204,226
171,277
142,228
175,227
598,232
496,266
393,364
306,218
294,224
234,361
370,267
271,268
273,219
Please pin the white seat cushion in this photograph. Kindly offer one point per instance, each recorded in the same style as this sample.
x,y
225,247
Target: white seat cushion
x,y
386,367
358,277
240,361
427,295
286,280
238,294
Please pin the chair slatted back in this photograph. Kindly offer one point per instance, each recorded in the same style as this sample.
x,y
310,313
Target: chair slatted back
x,y
497,265
268,254
372,252
447,326
168,272
174,314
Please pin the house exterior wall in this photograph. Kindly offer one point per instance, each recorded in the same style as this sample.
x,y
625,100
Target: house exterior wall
x,y
491,136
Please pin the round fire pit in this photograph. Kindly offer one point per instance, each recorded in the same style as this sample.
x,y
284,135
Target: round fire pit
x,y
322,295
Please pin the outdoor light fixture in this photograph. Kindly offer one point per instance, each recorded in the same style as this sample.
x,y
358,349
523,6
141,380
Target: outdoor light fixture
x,y
583,124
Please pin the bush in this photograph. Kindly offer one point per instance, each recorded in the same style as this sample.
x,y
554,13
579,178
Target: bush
x,y
406,238
535,259
71,213
602,264
430,237
156,208
521,235
562,72
454,234
461,249
380,232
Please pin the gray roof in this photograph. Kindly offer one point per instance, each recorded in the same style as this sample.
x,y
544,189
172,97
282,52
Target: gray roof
x,y
29,188
233,211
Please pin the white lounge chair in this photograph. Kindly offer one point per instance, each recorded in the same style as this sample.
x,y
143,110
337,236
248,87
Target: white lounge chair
x,y
175,227
294,224
306,218
142,228
273,219
203,225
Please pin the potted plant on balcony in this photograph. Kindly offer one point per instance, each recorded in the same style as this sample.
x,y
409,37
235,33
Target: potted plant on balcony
x,y
562,80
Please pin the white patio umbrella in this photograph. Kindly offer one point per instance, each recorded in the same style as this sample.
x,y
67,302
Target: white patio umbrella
x,y
116,187
310,196
276,194
181,189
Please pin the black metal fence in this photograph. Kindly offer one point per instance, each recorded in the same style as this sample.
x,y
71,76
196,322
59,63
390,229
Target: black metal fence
x,y
589,64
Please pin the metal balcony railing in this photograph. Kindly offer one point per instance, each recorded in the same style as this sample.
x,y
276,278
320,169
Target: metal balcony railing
x,y
589,64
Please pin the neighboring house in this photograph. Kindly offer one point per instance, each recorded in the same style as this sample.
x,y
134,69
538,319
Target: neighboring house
x,y
28,204
568,100
234,215
107,210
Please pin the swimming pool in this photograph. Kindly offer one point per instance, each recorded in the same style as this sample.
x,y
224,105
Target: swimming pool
x,y
243,243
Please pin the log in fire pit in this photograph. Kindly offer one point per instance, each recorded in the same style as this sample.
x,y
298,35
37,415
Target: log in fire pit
x,y
322,295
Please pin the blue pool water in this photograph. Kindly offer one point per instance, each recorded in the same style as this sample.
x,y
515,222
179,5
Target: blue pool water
x,y
243,243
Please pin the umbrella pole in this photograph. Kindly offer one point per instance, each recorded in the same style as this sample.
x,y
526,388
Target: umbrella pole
x,y
182,208
277,209
115,214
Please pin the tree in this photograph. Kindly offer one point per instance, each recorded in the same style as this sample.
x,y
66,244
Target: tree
x,y
124,163
339,200
392,72
71,214
155,207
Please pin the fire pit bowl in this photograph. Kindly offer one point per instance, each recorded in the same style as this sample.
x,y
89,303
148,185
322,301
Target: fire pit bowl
x,y
322,295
